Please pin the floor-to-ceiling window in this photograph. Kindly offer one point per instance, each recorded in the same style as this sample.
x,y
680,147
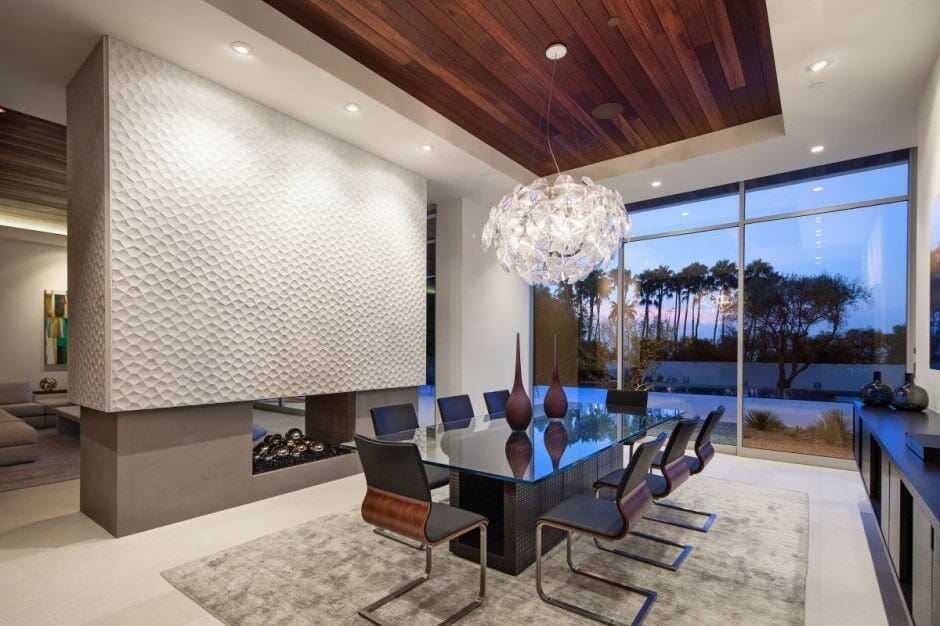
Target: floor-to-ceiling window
x,y
777,298
825,283
582,317
680,290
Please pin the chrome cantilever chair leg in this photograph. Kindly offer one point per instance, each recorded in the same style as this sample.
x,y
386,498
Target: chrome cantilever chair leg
x,y
388,535
710,517
648,593
686,548
369,611
672,567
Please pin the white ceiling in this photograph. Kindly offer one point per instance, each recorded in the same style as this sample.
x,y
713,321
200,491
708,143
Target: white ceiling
x,y
882,51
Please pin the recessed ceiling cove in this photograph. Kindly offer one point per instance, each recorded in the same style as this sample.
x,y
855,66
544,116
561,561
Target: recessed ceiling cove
x,y
678,68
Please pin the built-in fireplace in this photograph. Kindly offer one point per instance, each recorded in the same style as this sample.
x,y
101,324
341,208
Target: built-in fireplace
x,y
277,451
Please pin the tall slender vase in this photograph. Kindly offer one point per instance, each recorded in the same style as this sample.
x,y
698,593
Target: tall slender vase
x,y
518,406
556,403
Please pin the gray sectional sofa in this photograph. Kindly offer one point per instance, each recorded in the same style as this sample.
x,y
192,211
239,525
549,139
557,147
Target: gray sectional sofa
x,y
20,416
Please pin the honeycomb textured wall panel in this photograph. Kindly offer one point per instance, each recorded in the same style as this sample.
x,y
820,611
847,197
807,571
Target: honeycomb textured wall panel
x,y
88,241
252,256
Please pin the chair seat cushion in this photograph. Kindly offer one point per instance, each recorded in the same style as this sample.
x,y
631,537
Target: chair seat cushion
x,y
16,392
437,476
591,515
17,433
611,480
657,484
25,409
691,461
445,520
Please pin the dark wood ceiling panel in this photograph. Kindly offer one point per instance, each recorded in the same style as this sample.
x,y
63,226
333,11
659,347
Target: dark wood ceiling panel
x,y
678,68
32,166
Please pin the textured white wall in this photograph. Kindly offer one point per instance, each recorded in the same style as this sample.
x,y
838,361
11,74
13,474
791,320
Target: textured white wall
x,y
252,256
928,189
479,309
89,245
27,268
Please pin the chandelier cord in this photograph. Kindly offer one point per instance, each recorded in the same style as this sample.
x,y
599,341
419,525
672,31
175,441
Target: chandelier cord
x,y
548,112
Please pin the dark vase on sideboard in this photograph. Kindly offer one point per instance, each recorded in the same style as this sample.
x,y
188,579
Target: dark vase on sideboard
x,y
909,396
876,393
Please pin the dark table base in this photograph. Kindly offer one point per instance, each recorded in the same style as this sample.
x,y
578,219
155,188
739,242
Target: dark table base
x,y
513,509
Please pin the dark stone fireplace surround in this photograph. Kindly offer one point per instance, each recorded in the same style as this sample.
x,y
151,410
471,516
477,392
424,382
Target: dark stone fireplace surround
x,y
144,469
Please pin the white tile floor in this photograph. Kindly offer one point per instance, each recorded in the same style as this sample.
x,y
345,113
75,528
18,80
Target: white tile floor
x,y
58,567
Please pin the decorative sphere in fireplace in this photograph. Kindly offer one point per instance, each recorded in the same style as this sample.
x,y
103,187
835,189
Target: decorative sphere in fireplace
x,y
318,446
294,434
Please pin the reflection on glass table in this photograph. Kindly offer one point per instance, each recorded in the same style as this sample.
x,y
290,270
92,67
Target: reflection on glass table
x,y
487,446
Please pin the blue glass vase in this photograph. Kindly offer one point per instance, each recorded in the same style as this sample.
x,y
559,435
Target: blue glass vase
x,y
876,393
909,397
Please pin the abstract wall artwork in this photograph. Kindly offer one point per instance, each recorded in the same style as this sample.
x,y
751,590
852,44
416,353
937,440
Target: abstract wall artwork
x,y
935,284
55,329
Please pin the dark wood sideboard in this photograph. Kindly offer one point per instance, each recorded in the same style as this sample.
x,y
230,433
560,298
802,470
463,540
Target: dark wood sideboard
x,y
905,495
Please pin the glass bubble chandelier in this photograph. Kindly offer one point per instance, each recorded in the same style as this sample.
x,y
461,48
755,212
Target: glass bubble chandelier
x,y
556,233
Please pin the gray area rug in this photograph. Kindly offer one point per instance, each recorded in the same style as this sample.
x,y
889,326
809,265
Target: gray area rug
x,y
749,569
59,460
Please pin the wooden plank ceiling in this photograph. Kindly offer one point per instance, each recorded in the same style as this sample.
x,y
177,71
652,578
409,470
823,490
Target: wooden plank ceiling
x,y
32,166
678,68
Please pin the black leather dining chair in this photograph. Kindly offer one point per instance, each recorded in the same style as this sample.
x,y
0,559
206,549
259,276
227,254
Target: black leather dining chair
x,y
496,401
704,451
456,411
602,519
675,470
398,499
636,401
401,418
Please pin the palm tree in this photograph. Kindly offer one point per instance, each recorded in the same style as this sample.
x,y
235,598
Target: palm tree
x,y
725,278
646,288
695,279
605,287
661,277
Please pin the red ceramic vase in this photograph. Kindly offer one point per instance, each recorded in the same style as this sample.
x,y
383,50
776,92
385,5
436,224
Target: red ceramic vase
x,y
556,440
556,403
519,453
518,406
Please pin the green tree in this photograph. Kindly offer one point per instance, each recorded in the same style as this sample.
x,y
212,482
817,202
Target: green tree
x,y
788,308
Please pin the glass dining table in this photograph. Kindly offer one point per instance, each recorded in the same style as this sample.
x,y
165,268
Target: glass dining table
x,y
512,477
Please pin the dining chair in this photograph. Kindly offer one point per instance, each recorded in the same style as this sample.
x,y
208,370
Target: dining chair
x,y
398,499
496,402
401,418
704,451
602,519
456,411
631,400
675,470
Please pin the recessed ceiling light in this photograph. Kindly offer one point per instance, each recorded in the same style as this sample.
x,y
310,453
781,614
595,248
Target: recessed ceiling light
x,y
352,107
427,147
656,183
242,48
685,214
614,21
818,66
817,189
607,111
817,149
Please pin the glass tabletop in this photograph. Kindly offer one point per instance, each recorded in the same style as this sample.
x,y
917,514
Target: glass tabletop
x,y
486,445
